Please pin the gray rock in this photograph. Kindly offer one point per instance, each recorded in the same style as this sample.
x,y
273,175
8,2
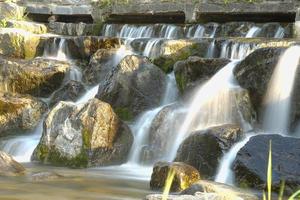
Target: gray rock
x,y
204,149
134,86
9,167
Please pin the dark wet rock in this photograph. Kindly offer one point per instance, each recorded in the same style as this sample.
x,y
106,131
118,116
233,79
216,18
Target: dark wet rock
x,y
71,91
251,163
45,176
83,136
10,167
163,127
38,77
195,71
235,29
204,149
185,175
176,50
19,113
101,63
134,86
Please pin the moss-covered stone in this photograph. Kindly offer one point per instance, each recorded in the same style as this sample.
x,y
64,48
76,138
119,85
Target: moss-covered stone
x,y
124,113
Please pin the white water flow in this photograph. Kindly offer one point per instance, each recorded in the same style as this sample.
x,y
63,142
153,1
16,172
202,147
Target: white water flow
x,y
253,32
278,98
142,125
22,147
213,104
152,48
225,173
211,49
279,33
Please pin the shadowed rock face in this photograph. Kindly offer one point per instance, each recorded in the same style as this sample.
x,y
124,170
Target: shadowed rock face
x,y
134,86
185,175
19,113
38,77
204,149
254,74
9,167
71,91
83,135
195,71
251,163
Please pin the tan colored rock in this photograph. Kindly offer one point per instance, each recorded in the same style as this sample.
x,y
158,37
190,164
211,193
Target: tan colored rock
x,y
37,77
19,113
185,176
9,167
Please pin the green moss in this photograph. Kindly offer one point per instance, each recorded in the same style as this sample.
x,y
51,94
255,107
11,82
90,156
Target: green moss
x,y
86,138
41,152
97,28
181,82
124,113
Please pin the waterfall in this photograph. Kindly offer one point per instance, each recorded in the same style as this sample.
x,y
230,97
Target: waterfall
x,y
22,147
280,89
211,50
57,52
141,126
279,33
199,33
225,173
152,48
131,31
213,104
253,32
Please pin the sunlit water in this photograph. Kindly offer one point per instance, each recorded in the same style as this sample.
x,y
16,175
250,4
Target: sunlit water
x,y
280,89
107,183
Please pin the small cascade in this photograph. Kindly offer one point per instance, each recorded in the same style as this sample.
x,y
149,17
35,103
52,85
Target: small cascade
x,y
141,131
152,48
225,173
236,50
211,50
253,32
199,33
171,93
279,93
213,104
143,124
57,50
75,74
279,33
131,31
22,147
170,32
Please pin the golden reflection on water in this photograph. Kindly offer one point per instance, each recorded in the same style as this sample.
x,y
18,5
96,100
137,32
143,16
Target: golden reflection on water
x,y
85,184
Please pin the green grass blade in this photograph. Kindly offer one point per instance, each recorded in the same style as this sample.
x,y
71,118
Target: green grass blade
x,y
269,177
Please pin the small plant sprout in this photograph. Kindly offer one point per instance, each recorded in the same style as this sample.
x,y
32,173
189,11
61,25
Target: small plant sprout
x,y
168,184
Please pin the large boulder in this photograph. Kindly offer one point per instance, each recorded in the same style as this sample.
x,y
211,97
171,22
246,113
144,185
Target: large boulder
x,y
84,135
184,176
251,163
71,91
10,167
31,27
38,77
203,149
101,63
195,71
19,113
176,50
134,86
18,43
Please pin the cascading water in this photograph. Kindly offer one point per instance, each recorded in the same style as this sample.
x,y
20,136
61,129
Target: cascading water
x,y
214,101
253,32
142,125
225,173
279,33
278,97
